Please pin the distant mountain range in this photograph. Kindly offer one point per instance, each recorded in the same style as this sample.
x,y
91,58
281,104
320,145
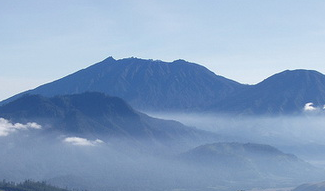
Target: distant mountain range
x,y
97,115
311,187
250,160
152,85
221,166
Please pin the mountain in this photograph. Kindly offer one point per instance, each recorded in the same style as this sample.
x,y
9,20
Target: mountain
x,y
146,84
153,85
283,93
94,114
311,187
251,161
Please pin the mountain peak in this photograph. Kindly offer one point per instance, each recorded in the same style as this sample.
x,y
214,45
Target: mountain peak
x,y
155,85
109,59
180,61
286,92
301,71
135,60
145,83
298,79
298,74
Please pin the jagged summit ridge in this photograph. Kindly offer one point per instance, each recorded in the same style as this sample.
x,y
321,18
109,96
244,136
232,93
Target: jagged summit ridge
x,y
147,84
155,85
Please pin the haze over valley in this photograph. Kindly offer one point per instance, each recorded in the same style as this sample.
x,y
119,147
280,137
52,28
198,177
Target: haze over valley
x,y
136,124
162,95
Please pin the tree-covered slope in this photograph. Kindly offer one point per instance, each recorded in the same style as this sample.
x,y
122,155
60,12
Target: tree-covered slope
x,y
94,114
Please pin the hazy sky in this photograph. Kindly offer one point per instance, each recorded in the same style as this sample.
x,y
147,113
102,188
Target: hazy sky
x,y
245,40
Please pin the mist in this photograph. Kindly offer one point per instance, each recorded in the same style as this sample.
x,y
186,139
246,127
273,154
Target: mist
x,y
111,163
81,163
302,135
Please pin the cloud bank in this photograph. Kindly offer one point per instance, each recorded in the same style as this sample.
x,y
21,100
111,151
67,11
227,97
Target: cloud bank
x,y
78,141
6,127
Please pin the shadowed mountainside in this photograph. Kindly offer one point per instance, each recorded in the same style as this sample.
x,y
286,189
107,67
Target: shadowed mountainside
x,y
95,114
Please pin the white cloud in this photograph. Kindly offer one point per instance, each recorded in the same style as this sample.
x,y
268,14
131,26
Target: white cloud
x,y
98,141
309,107
82,141
6,127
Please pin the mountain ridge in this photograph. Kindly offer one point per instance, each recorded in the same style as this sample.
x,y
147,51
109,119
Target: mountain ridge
x,y
144,83
286,92
154,85
95,115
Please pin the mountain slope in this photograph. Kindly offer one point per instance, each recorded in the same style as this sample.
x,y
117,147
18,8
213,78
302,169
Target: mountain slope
x,y
283,93
94,114
146,84
183,86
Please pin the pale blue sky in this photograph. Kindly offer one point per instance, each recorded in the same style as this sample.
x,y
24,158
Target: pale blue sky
x,y
245,40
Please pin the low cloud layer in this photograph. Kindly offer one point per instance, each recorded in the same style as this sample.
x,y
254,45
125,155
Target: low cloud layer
x,y
78,141
6,127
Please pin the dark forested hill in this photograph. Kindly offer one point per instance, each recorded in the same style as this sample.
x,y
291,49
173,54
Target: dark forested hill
x,y
93,114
